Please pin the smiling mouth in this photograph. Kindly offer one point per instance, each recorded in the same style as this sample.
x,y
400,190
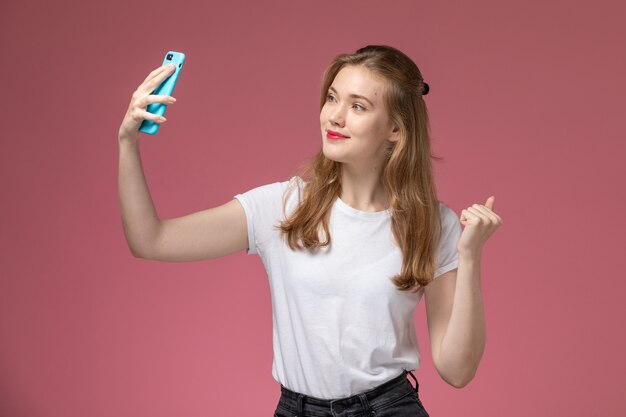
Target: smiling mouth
x,y
335,135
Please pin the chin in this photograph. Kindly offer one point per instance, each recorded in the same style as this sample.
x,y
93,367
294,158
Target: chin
x,y
332,154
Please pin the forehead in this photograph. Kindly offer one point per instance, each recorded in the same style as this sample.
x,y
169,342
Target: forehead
x,y
356,79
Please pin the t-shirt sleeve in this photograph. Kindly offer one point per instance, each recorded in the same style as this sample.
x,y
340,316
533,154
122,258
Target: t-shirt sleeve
x,y
447,254
263,206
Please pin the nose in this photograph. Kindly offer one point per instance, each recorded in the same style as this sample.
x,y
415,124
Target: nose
x,y
336,116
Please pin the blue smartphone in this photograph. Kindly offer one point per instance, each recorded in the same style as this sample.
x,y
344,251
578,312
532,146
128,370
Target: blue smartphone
x,y
166,88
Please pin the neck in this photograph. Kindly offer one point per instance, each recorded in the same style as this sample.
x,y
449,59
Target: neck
x,y
363,188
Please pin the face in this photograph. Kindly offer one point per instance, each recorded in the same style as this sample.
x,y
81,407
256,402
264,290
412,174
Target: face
x,y
356,128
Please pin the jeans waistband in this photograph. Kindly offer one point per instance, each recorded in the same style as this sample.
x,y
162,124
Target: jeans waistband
x,y
398,386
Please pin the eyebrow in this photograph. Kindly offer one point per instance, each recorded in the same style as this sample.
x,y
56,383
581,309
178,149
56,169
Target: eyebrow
x,y
353,96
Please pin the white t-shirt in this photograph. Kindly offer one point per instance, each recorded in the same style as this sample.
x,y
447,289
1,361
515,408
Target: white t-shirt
x,y
340,326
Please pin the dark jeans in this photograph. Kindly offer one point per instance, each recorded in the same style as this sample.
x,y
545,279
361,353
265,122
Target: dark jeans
x,y
394,398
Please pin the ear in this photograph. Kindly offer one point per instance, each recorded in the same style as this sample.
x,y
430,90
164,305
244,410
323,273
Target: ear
x,y
394,135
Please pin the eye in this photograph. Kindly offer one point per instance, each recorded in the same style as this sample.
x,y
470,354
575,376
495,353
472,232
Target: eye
x,y
358,107
330,97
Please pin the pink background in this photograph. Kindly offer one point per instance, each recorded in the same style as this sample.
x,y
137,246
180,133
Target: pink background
x,y
526,103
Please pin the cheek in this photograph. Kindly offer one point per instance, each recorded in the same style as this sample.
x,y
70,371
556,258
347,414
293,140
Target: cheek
x,y
323,116
364,128
378,128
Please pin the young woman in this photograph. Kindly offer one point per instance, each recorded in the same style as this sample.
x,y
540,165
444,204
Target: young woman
x,y
350,245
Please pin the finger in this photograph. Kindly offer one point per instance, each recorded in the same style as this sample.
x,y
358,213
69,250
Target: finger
x,y
466,217
490,201
153,74
162,73
140,115
155,98
487,212
157,71
166,71
479,214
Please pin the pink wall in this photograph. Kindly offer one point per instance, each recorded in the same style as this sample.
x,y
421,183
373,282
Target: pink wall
x,y
527,103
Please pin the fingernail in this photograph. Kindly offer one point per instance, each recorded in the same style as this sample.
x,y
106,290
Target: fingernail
x,y
172,99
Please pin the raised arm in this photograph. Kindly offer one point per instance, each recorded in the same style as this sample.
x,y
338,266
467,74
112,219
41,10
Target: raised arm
x,y
202,235
454,302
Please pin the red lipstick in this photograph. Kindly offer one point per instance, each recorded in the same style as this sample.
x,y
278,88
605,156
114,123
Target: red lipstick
x,y
335,135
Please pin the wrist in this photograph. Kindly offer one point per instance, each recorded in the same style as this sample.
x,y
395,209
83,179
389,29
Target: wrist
x,y
470,256
128,141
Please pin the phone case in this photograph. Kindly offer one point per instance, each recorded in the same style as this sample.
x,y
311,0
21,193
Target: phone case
x,y
166,88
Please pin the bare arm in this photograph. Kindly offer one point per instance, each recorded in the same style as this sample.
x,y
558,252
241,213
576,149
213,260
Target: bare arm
x,y
202,235
454,302
456,322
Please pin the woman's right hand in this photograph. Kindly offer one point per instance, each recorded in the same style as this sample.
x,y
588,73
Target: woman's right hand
x,y
141,98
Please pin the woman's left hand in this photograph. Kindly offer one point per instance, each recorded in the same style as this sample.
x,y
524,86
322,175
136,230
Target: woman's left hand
x,y
479,224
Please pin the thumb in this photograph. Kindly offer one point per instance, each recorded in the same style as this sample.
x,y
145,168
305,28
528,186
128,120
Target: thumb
x,y
489,203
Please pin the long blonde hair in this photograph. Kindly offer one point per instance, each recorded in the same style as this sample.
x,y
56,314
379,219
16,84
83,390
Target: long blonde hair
x,y
407,175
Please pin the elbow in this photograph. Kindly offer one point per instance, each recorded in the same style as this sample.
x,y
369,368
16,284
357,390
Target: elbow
x,y
460,383
460,371
141,246
460,379
138,252
458,376
135,252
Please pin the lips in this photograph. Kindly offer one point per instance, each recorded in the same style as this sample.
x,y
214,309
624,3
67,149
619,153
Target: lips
x,y
330,134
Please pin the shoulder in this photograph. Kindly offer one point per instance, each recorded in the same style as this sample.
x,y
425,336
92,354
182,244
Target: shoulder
x,y
270,196
293,189
447,215
447,254
450,224
296,182
275,188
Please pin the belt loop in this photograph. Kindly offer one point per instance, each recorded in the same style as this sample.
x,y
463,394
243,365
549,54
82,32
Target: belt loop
x,y
300,413
417,385
366,405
